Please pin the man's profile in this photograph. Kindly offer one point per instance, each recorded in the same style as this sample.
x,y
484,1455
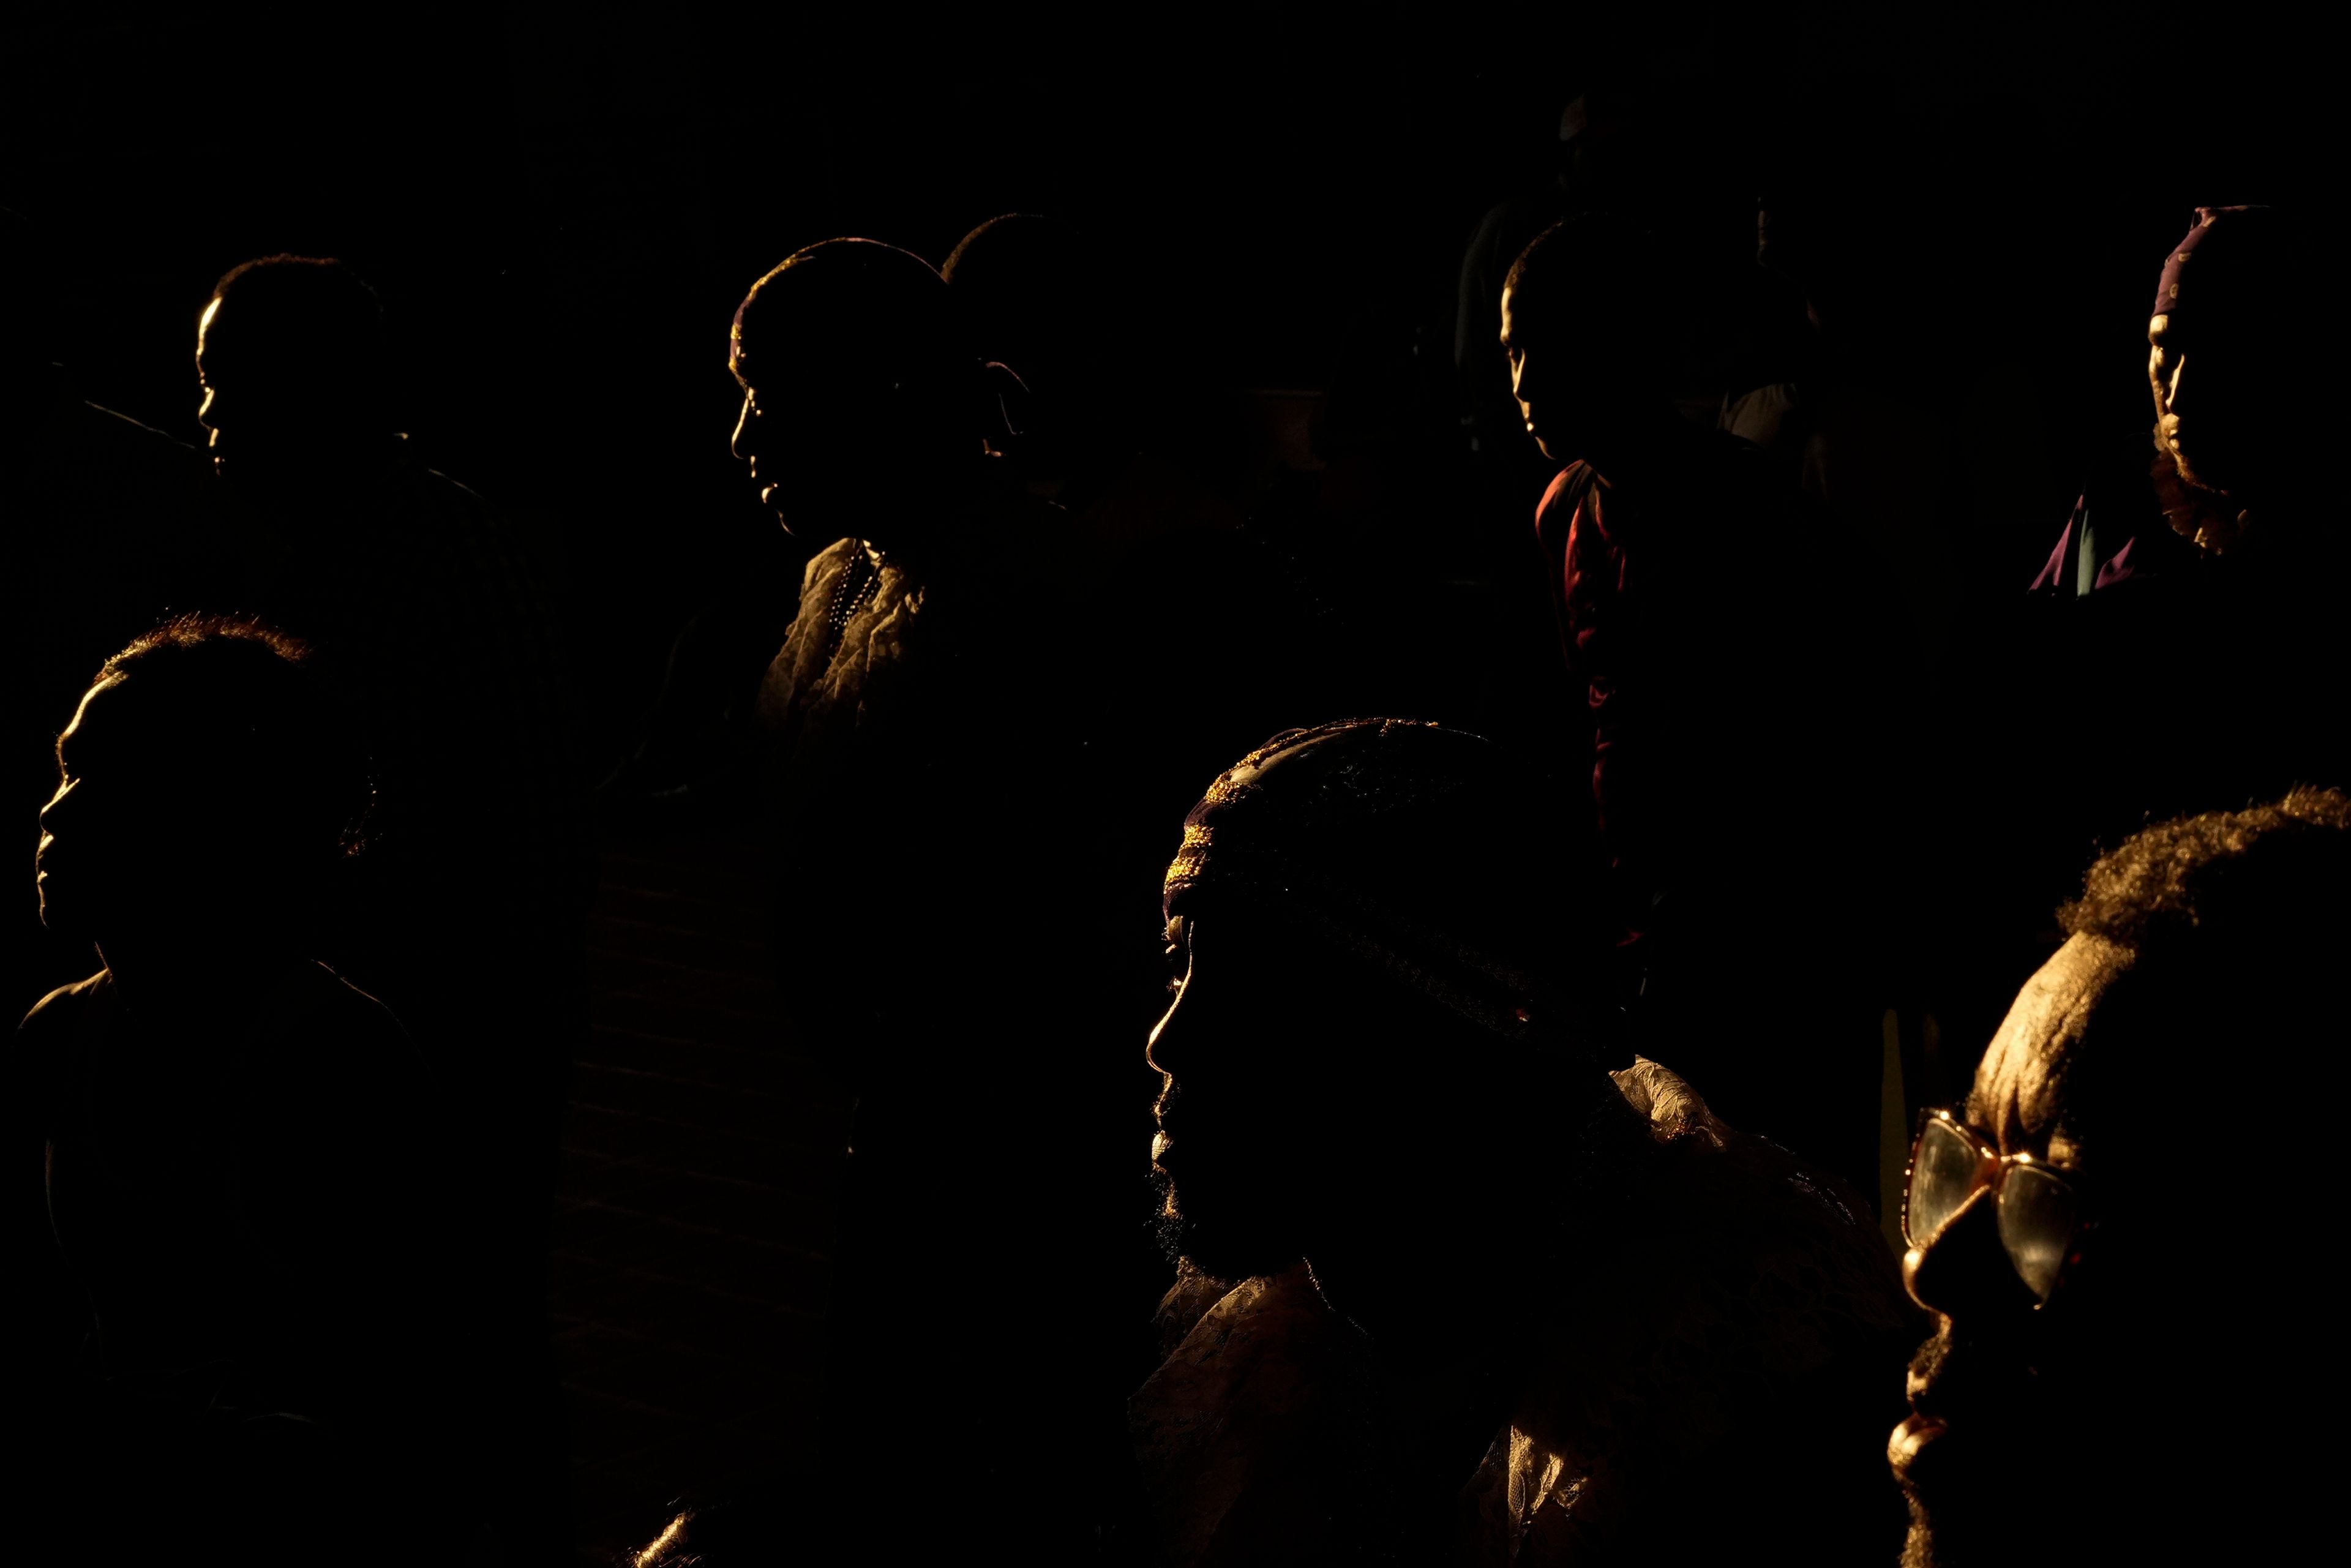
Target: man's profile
x,y
939,679
248,1170
1452,1290
2097,1228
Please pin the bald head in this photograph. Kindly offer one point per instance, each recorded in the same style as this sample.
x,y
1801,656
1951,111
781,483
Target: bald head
x,y
860,381
852,311
293,366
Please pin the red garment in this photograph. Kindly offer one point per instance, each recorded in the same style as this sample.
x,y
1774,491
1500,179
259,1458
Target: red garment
x,y
1596,593
1704,614
1742,678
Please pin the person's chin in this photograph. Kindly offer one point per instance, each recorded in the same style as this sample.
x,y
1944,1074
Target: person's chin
x,y
60,912
808,513
1969,1507
1221,1238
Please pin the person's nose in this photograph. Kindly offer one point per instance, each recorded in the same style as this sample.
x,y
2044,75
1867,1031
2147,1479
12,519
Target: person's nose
x,y
1524,384
208,411
1168,1045
59,808
741,443
1962,1271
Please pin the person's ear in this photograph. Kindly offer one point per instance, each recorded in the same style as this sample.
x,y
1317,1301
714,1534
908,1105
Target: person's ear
x,y
1008,399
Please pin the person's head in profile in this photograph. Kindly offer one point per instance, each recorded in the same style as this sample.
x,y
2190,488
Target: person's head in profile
x,y
1388,1060
2237,396
1376,1013
863,395
293,373
2107,1231
207,788
1035,293
1590,350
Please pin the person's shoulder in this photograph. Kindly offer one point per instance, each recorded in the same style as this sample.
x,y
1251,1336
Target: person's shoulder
x,y
1561,500
1795,1216
311,999
1726,457
119,450
1565,487
64,1008
445,493
124,433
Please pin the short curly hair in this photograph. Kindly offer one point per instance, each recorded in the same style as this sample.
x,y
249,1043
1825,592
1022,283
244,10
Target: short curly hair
x,y
2232,927
253,693
2227,877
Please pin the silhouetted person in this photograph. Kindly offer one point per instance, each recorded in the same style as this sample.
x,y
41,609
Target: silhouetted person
x,y
935,852
2063,1221
1854,410
1164,552
1737,752
2219,552
2184,649
108,527
435,615
1587,174
1453,1294
250,1177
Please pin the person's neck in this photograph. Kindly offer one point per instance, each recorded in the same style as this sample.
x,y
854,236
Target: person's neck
x,y
1423,1303
1637,449
928,504
300,476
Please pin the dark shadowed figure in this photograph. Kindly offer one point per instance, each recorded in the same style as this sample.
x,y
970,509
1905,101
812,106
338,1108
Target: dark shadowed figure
x,y
1735,680
1451,1293
2197,578
109,526
434,614
2107,1382
2184,647
253,1182
1201,640
937,832
1597,130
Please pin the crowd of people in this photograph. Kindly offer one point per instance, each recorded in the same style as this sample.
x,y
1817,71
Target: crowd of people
x,y
1506,1177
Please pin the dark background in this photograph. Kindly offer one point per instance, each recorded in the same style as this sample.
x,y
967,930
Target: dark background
x,y
562,205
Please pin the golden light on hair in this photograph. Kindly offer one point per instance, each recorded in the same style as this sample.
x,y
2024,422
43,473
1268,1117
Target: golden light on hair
x,y
653,1553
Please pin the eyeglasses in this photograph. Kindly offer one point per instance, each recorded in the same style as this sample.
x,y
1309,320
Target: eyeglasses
x,y
2040,1213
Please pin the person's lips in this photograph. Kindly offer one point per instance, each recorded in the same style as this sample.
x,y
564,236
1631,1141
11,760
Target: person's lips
x,y
1911,1440
1163,1149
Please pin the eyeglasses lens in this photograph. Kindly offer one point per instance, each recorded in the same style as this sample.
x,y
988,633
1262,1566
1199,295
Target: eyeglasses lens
x,y
1942,1173
2036,1225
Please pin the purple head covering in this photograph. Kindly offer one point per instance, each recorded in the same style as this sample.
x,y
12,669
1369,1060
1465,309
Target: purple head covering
x,y
2198,247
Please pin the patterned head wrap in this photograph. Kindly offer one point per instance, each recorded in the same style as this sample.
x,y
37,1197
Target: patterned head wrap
x,y
1413,850
2200,249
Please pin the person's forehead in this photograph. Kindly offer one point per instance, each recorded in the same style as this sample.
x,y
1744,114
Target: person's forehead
x,y
2015,1095
78,728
